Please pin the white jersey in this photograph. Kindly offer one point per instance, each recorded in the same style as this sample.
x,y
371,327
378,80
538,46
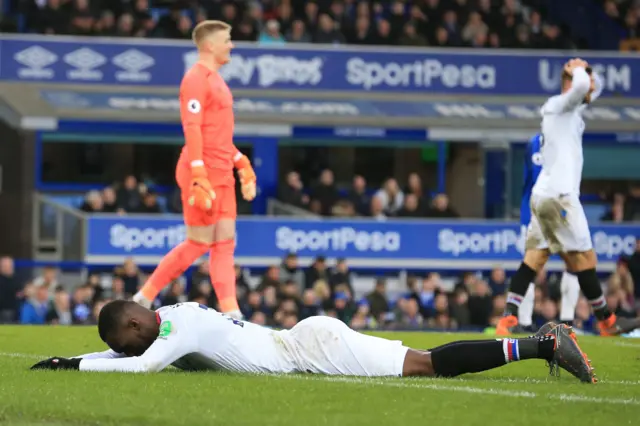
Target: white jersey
x,y
561,141
195,337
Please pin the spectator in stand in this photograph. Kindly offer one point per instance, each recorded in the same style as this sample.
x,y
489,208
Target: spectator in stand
x,y
298,33
384,36
130,274
93,203
291,191
35,309
60,308
359,197
377,299
106,24
498,281
460,308
82,20
109,204
128,196
480,304
377,209
290,270
48,279
584,320
310,304
325,192
414,186
362,33
632,205
410,316
617,213
474,27
411,37
81,307
53,18
271,279
327,33
271,34
391,197
317,271
175,294
410,207
440,208
341,277
285,17
10,290
149,203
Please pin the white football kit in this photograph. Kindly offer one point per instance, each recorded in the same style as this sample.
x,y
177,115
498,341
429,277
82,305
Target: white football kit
x,y
195,337
559,181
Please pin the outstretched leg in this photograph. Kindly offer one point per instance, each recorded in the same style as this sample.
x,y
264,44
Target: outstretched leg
x,y
558,347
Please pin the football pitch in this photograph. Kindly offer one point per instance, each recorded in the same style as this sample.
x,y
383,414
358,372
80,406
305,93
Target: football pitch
x,y
520,394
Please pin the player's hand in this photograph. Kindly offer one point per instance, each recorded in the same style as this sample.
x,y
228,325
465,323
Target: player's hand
x,y
57,363
201,194
573,64
247,178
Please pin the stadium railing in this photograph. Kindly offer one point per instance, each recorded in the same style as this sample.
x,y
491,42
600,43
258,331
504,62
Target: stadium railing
x,y
278,208
58,231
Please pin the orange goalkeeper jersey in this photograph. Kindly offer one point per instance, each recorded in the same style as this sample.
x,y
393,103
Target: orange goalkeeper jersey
x,y
206,111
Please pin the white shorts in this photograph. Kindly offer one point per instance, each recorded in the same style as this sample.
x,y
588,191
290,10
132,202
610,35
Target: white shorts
x,y
558,224
325,345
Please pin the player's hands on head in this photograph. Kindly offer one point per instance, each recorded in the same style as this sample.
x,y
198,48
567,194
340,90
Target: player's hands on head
x,y
58,363
201,194
573,64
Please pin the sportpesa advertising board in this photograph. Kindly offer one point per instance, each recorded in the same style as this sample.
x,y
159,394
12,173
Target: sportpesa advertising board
x,y
143,62
392,244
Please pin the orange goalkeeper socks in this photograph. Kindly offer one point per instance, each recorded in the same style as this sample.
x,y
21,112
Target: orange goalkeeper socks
x,y
223,274
178,260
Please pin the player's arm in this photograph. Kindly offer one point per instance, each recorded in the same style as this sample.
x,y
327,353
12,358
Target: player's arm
x,y
193,99
599,86
108,354
166,349
580,86
246,173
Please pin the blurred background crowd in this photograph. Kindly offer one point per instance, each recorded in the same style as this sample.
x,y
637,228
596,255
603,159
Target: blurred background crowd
x,y
445,23
287,293
325,197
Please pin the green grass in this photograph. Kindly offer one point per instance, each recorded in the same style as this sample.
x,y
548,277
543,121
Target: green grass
x,y
520,394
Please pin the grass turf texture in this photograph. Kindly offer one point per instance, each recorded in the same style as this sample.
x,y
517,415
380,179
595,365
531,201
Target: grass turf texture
x,y
519,394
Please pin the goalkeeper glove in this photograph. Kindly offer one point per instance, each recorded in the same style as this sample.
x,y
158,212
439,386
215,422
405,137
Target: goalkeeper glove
x,y
247,178
57,363
201,194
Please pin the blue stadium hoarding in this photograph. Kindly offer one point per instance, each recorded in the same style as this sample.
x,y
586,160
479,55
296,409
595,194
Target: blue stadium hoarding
x,y
392,244
143,62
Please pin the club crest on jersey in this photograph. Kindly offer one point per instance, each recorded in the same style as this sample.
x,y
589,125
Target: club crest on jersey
x,y
537,159
193,106
165,329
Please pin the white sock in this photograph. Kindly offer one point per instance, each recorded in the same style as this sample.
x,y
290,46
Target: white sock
x,y
143,301
525,312
570,289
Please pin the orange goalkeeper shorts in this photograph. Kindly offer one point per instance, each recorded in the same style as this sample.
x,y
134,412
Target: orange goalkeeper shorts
x,y
224,206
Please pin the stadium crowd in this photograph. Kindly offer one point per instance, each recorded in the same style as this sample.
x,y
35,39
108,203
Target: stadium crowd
x,y
288,293
439,23
325,197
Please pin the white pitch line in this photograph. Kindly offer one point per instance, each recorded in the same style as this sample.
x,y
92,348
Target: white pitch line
x,y
470,389
440,387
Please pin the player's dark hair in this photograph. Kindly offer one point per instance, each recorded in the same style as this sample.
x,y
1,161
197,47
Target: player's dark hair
x,y
110,317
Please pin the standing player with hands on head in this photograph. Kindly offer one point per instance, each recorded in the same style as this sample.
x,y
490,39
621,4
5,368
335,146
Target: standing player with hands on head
x,y
205,173
569,286
558,224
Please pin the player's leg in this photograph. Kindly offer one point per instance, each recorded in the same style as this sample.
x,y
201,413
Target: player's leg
x,y
577,251
200,233
558,348
535,257
222,265
525,313
570,290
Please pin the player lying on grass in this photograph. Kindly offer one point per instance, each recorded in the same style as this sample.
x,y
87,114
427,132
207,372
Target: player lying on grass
x,y
190,336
